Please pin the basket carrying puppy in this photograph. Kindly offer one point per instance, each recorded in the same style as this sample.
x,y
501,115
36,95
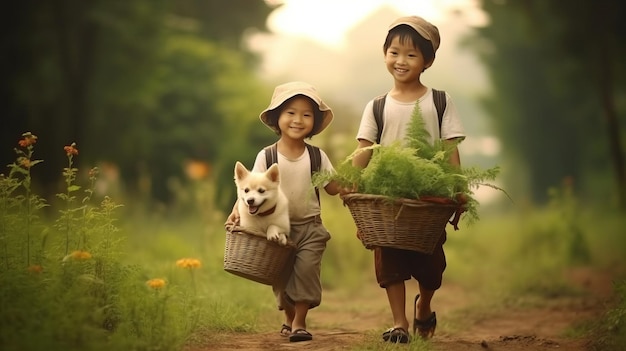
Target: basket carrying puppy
x,y
262,205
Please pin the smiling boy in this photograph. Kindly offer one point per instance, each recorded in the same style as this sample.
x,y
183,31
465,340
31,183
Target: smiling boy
x,y
409,49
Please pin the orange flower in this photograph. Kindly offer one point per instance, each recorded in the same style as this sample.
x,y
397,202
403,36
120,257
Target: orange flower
x,y
189,263
71,149
35,269
197,170
156,283
80,255
29,139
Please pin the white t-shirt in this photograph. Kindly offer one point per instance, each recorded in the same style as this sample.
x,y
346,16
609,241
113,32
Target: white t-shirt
x,y
397,116
296,183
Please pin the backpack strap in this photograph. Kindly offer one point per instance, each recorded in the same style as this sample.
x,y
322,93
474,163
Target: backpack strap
x,y
316,163
439,98
271,157
379,106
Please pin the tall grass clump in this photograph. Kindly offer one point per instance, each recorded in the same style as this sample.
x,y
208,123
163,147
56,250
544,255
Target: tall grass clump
x,y
611,329
63,281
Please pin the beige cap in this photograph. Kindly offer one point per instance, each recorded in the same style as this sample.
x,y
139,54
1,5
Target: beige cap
x,y
286,91
423,27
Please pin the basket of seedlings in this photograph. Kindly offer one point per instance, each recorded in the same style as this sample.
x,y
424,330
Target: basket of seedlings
x,y
408,192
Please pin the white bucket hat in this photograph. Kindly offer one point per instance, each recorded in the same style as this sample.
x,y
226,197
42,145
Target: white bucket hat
x,y
286,91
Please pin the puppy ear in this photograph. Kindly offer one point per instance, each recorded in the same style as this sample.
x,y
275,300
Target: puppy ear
x,y
240,171
273,174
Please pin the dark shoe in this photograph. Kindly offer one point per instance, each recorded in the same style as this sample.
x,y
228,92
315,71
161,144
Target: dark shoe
x,y
424,328
300,335
285,330
396,335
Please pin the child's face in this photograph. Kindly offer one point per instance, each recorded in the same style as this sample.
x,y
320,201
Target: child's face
x,y
404,61
296,119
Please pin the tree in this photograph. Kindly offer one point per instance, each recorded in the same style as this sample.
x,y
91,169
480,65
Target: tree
x,y
555,71
139,83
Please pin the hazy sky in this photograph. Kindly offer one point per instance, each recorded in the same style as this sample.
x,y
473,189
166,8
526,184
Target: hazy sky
x,y
327,21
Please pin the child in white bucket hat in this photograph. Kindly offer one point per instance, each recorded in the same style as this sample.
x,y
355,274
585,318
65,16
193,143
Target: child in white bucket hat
x,y
297,112
284,92
409,49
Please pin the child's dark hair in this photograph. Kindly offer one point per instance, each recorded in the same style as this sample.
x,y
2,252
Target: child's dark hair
x,y
272,116
406,33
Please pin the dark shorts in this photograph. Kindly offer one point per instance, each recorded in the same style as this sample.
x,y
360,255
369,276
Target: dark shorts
x,y
396,265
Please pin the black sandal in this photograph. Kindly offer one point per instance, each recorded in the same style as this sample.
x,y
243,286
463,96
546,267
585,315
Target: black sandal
x,y
285,330
396,335
425,328
300,335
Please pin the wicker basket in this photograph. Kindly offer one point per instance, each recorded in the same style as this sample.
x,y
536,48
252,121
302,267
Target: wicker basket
x,y
399,223
254,257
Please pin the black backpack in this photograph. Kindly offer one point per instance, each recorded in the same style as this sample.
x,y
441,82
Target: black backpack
x,y
271,157
439,98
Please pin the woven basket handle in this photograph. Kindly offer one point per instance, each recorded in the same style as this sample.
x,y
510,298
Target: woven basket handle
x,y
399,212
408,204
234,228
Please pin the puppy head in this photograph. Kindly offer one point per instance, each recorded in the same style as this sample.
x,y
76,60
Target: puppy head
x,y
257,190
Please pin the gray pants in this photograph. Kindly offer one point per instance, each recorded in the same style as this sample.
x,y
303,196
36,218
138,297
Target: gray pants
x,y
301,281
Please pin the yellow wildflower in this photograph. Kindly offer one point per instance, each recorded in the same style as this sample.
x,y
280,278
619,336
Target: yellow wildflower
x,y
189,263
156,283
80,255
24,162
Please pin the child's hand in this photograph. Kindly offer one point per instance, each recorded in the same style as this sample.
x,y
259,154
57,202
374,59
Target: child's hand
x,y
345,191
348,190
461,199
232,220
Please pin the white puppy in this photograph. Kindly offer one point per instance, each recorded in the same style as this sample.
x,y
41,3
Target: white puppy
x,y
262,206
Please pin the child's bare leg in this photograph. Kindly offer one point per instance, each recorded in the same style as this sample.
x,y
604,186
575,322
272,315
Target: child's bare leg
x,y
285,329
290,314
299,332
396,294
423,303
299,319
425,321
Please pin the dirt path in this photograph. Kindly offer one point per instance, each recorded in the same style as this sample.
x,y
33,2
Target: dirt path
x,y
345,322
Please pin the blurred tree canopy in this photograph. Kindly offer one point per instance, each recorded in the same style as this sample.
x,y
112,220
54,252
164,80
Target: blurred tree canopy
x,y
558,72
144,84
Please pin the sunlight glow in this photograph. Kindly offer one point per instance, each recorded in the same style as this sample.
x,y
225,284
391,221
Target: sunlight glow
x,y
327,21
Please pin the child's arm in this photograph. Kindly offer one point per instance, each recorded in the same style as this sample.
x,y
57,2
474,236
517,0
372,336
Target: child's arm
x,y
455,160
333,188
362,158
